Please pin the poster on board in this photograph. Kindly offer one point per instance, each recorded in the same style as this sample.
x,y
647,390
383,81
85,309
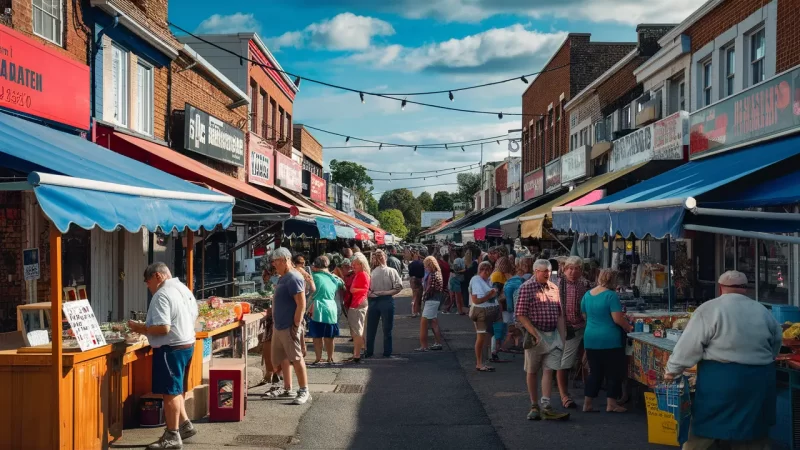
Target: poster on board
x,y
84,324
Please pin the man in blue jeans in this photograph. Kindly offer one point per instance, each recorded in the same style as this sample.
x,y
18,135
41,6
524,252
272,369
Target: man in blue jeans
x,y
385,284
170,330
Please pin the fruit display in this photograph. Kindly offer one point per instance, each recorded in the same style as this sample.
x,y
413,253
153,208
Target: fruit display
x,y
211,317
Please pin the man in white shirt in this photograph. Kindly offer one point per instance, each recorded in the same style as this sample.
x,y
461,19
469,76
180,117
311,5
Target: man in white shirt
x,y
385,283
170,330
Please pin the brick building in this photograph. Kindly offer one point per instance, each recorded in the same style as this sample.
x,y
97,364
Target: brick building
x,y
311,149
574,65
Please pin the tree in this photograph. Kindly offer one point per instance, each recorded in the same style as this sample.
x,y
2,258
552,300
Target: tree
x,y
425,201
404,200
352,176
393,222
468,185
371,205
442,201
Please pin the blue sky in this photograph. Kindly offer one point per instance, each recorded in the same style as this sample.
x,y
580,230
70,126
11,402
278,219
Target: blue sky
x,y
418,45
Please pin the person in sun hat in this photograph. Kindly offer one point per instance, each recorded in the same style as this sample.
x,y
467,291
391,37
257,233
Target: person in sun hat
x,y
733,340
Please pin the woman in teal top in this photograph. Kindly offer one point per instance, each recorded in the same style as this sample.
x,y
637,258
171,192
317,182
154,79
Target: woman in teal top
x,y
604,341
323,326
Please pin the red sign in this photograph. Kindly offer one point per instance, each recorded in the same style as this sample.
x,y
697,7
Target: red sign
x,y
288,173
259,167
38,81
318,191
533,185
501,177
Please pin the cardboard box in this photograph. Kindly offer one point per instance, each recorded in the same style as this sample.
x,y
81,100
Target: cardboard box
x,y
197,402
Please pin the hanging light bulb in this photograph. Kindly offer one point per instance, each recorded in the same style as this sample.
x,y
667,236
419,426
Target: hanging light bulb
x,y
450,94
380,146
445,146
462,149
415,149
498,142
347,140
403,105
297,81
361,94
524,80
500,116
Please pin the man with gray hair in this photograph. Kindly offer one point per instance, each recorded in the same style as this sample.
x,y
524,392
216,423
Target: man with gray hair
x,y
384,285
288,307
170,330
538,310
571,288
733,340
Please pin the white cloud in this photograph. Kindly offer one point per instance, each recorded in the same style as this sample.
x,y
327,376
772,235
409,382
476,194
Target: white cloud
x,y
495,50
233,23
345,31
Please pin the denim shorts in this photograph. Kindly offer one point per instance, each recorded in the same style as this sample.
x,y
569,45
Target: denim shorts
x,y
169,369
454,285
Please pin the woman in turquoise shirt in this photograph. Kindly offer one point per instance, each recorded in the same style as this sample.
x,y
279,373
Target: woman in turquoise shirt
x,y
323,326
604,341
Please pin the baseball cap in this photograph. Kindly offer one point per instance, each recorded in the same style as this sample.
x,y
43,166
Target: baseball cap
x,y
733,278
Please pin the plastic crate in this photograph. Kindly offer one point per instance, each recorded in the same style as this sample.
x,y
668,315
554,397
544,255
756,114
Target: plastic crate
x,y
785,313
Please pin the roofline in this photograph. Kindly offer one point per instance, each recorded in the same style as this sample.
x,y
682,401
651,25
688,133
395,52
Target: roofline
x,y
137,28
682,45
240,95
300,125
263,47
544,67
698,14
602,79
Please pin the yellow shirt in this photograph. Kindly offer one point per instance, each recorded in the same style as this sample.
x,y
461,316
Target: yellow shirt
x,y
498,277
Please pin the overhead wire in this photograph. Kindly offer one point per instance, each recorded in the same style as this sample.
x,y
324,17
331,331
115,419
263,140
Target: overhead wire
x,y
380,144
414,187
424,171
424,177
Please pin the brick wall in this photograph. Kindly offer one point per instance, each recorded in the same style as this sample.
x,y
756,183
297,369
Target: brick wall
x,y
12,242
788,44
587,109
195,87
151,14
620,88
76,33
275,93
308,145
501,177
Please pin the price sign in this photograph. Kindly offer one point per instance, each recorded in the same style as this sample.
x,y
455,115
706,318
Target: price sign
x,y
84,324
30,260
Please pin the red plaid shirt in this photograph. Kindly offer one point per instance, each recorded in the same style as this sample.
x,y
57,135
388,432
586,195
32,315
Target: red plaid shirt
x,y
572,294
540,303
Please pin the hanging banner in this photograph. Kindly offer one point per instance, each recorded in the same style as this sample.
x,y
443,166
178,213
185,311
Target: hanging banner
x,y
318,189
770,108
306,183
552,175
634,148
670,135
210,136
575,164
259,171
534,184
288,173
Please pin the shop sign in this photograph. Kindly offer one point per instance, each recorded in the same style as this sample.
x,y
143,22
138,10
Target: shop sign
x,y
30,263
288,173
84,324
306,183
765,110
317,189
514,173
670,135
38,81
634,148
575,164
534,184
552,175
260,169
210,136
348,202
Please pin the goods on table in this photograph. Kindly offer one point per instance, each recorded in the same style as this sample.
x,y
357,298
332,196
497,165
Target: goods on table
x,y
793,332
680,324
211,317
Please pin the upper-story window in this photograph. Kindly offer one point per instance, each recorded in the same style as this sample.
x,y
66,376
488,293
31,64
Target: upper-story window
x,y
144,99
47,20
707,82
254,106
626,118
682,96
609,127
730,69
758,49
119,84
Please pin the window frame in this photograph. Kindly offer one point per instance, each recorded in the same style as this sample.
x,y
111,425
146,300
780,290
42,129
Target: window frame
x,y
254,106
682,95
626,119
57,22
707,82
121,89
150,107
729,55
761,61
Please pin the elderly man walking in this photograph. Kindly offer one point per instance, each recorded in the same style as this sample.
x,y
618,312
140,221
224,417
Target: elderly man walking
x,y
289,305
170,330
733,340
394,262
385,284
538,309
571,288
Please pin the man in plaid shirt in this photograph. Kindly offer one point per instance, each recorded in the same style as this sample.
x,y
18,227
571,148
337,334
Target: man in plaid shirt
x,y
538,309
572,286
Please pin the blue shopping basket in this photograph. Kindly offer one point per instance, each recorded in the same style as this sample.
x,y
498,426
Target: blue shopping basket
x,y
674,398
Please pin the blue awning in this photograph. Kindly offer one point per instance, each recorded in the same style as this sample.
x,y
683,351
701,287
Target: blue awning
x,y
94,186
345,232
656,206
301,227
493,222
326,227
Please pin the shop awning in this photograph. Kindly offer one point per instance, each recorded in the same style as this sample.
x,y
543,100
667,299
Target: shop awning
x,y
303,205
455,232
345,232
363,230
491,226
326,227
657,206
182,166
78,182
301,227
532,223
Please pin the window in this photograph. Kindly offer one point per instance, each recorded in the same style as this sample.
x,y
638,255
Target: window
x,y
707,83
288,126
254,109
682,96
609,127
119,84
626,118
144,99
47,20
730,69
274,115
265,111
758,48
282,123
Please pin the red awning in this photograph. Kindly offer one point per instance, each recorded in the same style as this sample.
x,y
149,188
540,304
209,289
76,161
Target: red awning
x,y
482,233
172,162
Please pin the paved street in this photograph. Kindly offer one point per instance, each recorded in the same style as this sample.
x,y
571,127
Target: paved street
x,y
430,400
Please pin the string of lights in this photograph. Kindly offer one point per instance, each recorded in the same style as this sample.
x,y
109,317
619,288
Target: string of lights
x,y
426,171
380,144
426,176
391,96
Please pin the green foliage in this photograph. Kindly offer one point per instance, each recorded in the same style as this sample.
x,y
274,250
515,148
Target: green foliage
x,y
392,221
468,185
352,176
371,206
442,201
403,200
425,201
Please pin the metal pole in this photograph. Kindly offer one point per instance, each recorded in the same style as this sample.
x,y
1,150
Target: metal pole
x,y
669,273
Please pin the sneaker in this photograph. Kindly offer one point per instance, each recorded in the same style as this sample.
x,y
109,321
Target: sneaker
x,y
168,440
280,394
548,413
534,413
187,430
302,397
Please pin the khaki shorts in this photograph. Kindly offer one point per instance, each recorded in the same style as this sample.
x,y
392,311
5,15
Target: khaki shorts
x,y
356,318
484,318
287,345
539,356
570,354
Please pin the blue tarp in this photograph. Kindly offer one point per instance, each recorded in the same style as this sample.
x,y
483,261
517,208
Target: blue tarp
x,y
345,232
690,180
326,228
28,147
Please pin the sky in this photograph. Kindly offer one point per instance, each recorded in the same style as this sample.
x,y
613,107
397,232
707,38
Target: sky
x,y
401,46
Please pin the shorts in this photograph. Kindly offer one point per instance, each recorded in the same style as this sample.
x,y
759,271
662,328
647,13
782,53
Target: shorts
x,y
431,309
454,285
317,330
287,344
534,360
169,369
484,317
356,318
416,285
570,354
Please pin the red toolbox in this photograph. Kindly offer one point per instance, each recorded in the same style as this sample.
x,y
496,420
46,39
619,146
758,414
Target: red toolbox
x,y
226,402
